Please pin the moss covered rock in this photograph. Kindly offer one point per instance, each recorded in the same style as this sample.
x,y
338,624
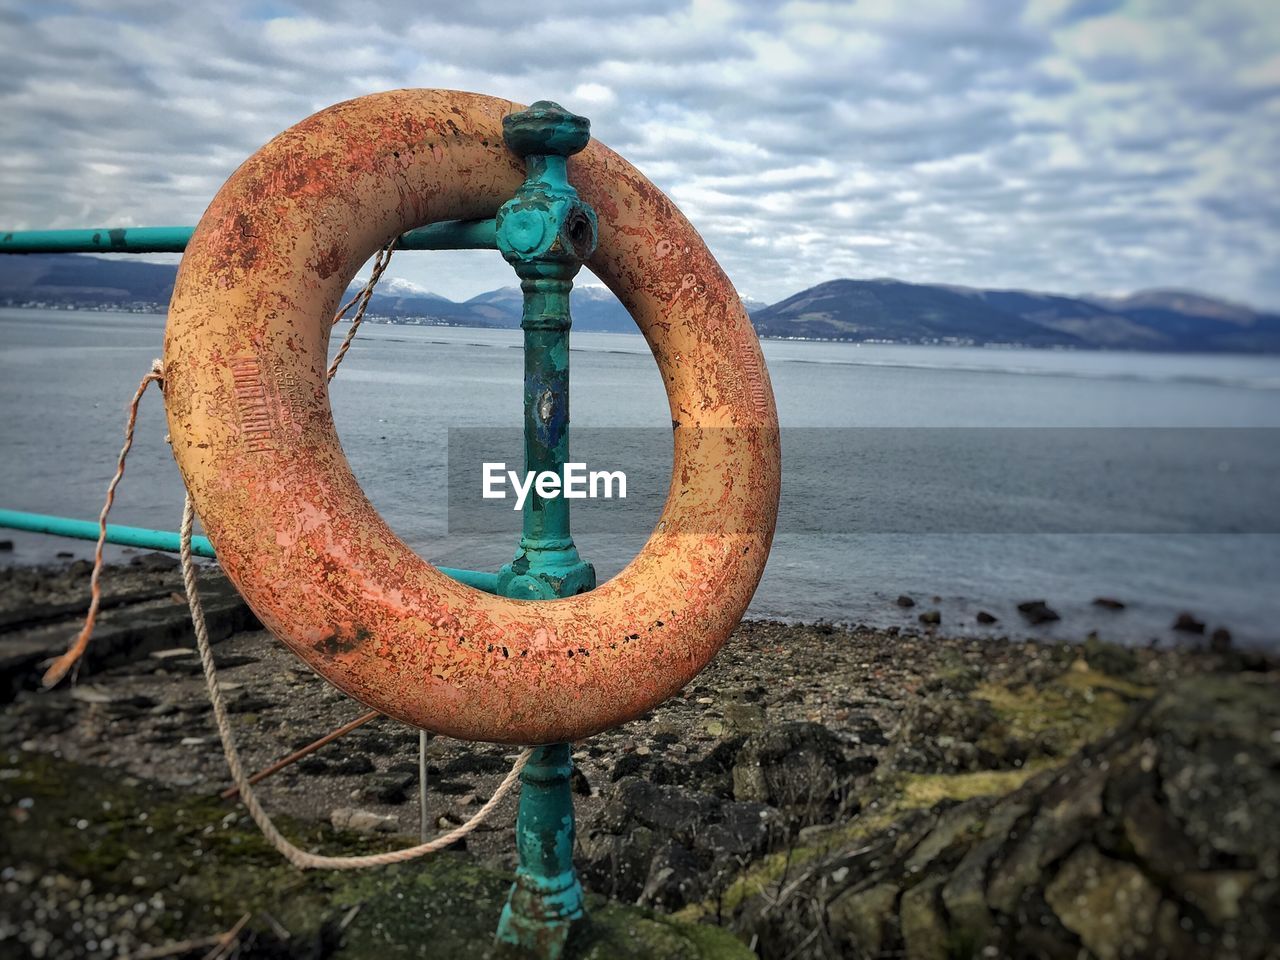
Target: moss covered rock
x,y
98,864
1161,838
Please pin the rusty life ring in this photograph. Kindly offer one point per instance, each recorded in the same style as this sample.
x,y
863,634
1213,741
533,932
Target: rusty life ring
x,y
253,433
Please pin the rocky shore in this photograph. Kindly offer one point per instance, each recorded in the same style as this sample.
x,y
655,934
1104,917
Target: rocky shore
x,y
818,791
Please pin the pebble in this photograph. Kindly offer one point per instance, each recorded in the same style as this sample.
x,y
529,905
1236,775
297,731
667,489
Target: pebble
x,y
172,653
362,821
1220,640
90,695
1188,623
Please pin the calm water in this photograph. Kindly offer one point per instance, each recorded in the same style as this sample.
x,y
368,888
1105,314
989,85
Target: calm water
x,y
65,378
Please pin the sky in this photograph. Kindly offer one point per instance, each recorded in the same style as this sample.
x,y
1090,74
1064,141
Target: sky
x,y
1061,145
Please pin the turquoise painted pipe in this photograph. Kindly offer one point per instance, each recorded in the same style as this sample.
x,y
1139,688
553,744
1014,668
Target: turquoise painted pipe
x,y
545,232
168,540
88,530
448,235
97,240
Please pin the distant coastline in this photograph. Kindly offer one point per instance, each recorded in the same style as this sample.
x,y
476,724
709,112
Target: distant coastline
x,y
878,311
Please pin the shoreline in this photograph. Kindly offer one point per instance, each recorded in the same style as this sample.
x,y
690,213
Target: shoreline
x,y
1047,618
162,310
799,744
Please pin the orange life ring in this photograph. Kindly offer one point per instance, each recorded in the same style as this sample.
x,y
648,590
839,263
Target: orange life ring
x,y
253,432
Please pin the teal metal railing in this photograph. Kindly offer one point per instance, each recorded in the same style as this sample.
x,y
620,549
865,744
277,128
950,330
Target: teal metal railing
x,y
448,235
545,232
167,540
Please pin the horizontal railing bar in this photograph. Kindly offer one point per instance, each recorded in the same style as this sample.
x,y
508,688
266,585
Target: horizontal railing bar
x,y
446,235
88,530
93,240
169,541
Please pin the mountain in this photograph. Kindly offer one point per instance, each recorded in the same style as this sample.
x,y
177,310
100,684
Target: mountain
x,y
594,307
62,280
1186,302
889,310
498,308
70,280
1196,322
875,310
1086,321
857,310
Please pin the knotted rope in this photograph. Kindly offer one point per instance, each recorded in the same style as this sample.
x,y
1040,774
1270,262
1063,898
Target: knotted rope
x,y
380,264
300,858
58,669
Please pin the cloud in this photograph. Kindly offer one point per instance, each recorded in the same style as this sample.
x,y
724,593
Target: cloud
x,y
1055,144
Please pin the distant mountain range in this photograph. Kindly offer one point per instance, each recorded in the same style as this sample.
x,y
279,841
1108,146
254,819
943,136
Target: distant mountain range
x,y
890,310
856,310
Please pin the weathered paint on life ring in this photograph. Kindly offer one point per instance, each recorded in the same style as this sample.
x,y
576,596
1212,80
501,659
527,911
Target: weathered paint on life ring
x,y
253,433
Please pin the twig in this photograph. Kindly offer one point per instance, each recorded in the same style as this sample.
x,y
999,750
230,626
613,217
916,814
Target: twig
x,y
795,884
802,944
278,928
349,916
233,791
424,825
218,941
174,948
227,940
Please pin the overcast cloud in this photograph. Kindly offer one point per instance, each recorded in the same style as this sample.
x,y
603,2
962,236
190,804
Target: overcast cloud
x,y
1049,144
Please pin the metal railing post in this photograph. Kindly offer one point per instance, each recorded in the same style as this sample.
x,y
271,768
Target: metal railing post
x,y
545,232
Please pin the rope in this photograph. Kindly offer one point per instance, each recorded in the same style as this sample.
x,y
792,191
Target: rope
x,y
380,264
298,857
59,668
244,783
76,650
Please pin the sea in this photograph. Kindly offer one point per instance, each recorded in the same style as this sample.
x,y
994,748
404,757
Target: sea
x,y
966,478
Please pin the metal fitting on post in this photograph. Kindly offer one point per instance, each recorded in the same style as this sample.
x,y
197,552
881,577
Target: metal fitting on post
x,y
546,230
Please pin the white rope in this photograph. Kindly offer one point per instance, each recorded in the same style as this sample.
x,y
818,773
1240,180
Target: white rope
x,y
295,855
71,658
298,857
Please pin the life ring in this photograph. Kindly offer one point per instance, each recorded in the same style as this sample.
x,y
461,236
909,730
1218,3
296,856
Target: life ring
x,y
253,433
